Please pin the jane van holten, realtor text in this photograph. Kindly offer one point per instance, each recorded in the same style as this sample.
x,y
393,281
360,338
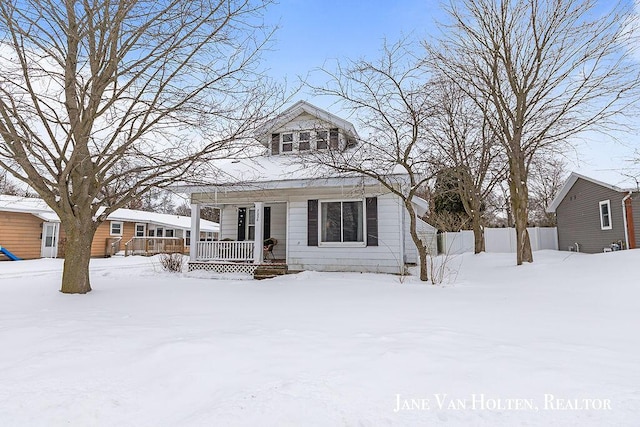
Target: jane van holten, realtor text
x,y
480,402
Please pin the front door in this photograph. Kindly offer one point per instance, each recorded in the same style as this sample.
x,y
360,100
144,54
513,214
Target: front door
x,y
50,240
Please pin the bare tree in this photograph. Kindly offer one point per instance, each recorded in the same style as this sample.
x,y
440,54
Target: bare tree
x,y
183,209
469,152
7,186
100,101
206,212
547,175
390,99
542,71
154,200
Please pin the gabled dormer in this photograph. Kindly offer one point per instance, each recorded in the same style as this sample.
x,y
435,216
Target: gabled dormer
x,y
304,127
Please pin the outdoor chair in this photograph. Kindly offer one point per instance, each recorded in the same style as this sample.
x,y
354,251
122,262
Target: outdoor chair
x,y
267,248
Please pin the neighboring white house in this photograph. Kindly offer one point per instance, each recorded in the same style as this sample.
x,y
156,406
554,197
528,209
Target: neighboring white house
x,y
335,223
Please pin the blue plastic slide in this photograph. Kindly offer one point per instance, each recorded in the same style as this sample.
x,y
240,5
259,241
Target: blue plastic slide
x,y
9,255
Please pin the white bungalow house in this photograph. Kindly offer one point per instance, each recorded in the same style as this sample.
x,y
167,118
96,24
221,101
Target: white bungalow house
x,y
335,223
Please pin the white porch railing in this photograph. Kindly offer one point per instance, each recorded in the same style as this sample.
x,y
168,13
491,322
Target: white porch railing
x,y
225,251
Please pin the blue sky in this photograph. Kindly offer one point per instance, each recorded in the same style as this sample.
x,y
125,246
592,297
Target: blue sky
x,y
313,32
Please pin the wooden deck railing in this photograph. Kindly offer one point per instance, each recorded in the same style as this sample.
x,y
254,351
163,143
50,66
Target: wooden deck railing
x,y
225,251
112,246
153,245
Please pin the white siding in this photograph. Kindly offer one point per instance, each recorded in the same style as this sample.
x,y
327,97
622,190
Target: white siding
x,y
229,222
229,225
279,228
384,258
395,247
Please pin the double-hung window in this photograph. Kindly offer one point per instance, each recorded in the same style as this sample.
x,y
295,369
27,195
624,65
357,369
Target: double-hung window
x,y
605,215
342,222
287,142
304,139
140,230
116,228
321,139
251,224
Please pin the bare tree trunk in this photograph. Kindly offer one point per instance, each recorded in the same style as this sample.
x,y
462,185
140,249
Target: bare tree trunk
x,y
422,250
519,201
75,276
541,72
102,102
478,232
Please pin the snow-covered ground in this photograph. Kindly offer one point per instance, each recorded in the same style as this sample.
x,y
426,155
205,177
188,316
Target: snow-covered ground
x,y
556,342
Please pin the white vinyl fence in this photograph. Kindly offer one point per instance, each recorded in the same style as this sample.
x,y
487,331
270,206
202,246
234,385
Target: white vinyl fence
x,y
497,240
456,243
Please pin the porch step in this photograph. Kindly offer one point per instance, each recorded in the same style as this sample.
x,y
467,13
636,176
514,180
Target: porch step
x,y
269,271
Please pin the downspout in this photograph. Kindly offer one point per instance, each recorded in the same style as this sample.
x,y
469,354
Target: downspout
x,y
626,216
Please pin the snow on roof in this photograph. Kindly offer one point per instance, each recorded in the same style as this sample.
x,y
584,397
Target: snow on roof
x,y
24,205
40,209
257,166
266,168
422,206
572,180
174,221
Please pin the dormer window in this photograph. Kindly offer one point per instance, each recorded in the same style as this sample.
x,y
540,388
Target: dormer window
x,y
287,142
321,140
304,141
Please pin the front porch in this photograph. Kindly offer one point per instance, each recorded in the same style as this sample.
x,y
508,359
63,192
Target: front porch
x,y
229,256
258,271
244,229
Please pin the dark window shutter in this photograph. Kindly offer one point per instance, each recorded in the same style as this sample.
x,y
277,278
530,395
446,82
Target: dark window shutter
x,y
312,223
266,223
372,221
275,143
333,139
242,220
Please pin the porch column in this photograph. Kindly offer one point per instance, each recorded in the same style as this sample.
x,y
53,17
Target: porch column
x,y
195,232
259,234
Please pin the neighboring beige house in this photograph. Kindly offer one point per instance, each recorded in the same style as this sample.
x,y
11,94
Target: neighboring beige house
x,y
30,229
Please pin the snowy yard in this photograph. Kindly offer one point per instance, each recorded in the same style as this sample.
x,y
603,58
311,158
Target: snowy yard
x,y
552,343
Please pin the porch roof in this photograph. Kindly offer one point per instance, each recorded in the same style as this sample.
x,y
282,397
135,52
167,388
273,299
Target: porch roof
x,y
279,172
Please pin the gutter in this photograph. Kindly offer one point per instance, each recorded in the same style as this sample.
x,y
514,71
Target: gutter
x,y
625,221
